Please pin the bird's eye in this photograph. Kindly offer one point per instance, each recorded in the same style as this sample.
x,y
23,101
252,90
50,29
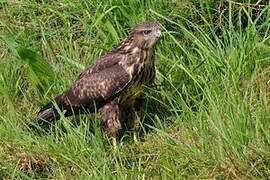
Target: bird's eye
x,y
146,32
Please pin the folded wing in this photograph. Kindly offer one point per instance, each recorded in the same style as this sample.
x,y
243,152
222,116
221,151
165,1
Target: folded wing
x,y
96,86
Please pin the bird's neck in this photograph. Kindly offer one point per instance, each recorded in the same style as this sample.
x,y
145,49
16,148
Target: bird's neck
x,y
135,58
129,43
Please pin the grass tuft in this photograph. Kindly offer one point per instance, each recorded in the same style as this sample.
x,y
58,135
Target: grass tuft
x,y
207,116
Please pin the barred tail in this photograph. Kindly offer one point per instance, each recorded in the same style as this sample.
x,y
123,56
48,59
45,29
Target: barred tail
x,y
48,113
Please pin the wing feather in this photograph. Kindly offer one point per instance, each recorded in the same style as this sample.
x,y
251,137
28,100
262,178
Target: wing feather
x,y
103,62
99,86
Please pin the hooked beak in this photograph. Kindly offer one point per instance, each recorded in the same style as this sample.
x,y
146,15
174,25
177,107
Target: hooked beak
x,y
158,33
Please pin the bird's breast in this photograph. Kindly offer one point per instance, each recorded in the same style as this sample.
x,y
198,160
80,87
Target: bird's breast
x,y
143,74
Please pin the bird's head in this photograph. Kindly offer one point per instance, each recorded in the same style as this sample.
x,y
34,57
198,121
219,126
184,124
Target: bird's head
x,y
146,34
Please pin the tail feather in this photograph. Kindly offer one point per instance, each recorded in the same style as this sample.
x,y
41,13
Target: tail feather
x,y
45,117
48,113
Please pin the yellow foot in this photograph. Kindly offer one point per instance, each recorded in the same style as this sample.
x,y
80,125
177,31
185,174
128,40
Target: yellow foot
x,y
135,137
114,143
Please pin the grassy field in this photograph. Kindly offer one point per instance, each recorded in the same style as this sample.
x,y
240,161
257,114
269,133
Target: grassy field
x,y
206,117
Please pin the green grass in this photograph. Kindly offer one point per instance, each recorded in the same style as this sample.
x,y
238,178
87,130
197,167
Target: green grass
x,y
207,116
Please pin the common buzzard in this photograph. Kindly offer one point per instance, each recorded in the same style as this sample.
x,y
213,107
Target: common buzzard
x,y
113,85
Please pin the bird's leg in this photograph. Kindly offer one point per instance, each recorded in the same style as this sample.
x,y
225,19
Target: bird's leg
x,y
129,119
110,120
138,107
131,116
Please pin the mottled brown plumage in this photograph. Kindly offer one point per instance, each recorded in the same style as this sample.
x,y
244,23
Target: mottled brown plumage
x,y
113,85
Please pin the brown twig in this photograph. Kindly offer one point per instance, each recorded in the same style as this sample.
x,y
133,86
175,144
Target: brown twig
x,y
256,6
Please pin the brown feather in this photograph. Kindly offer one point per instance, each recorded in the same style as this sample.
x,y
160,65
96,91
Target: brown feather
x,y
114,81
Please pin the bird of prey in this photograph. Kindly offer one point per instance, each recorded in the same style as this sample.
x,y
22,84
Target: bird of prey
x,y
113,85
